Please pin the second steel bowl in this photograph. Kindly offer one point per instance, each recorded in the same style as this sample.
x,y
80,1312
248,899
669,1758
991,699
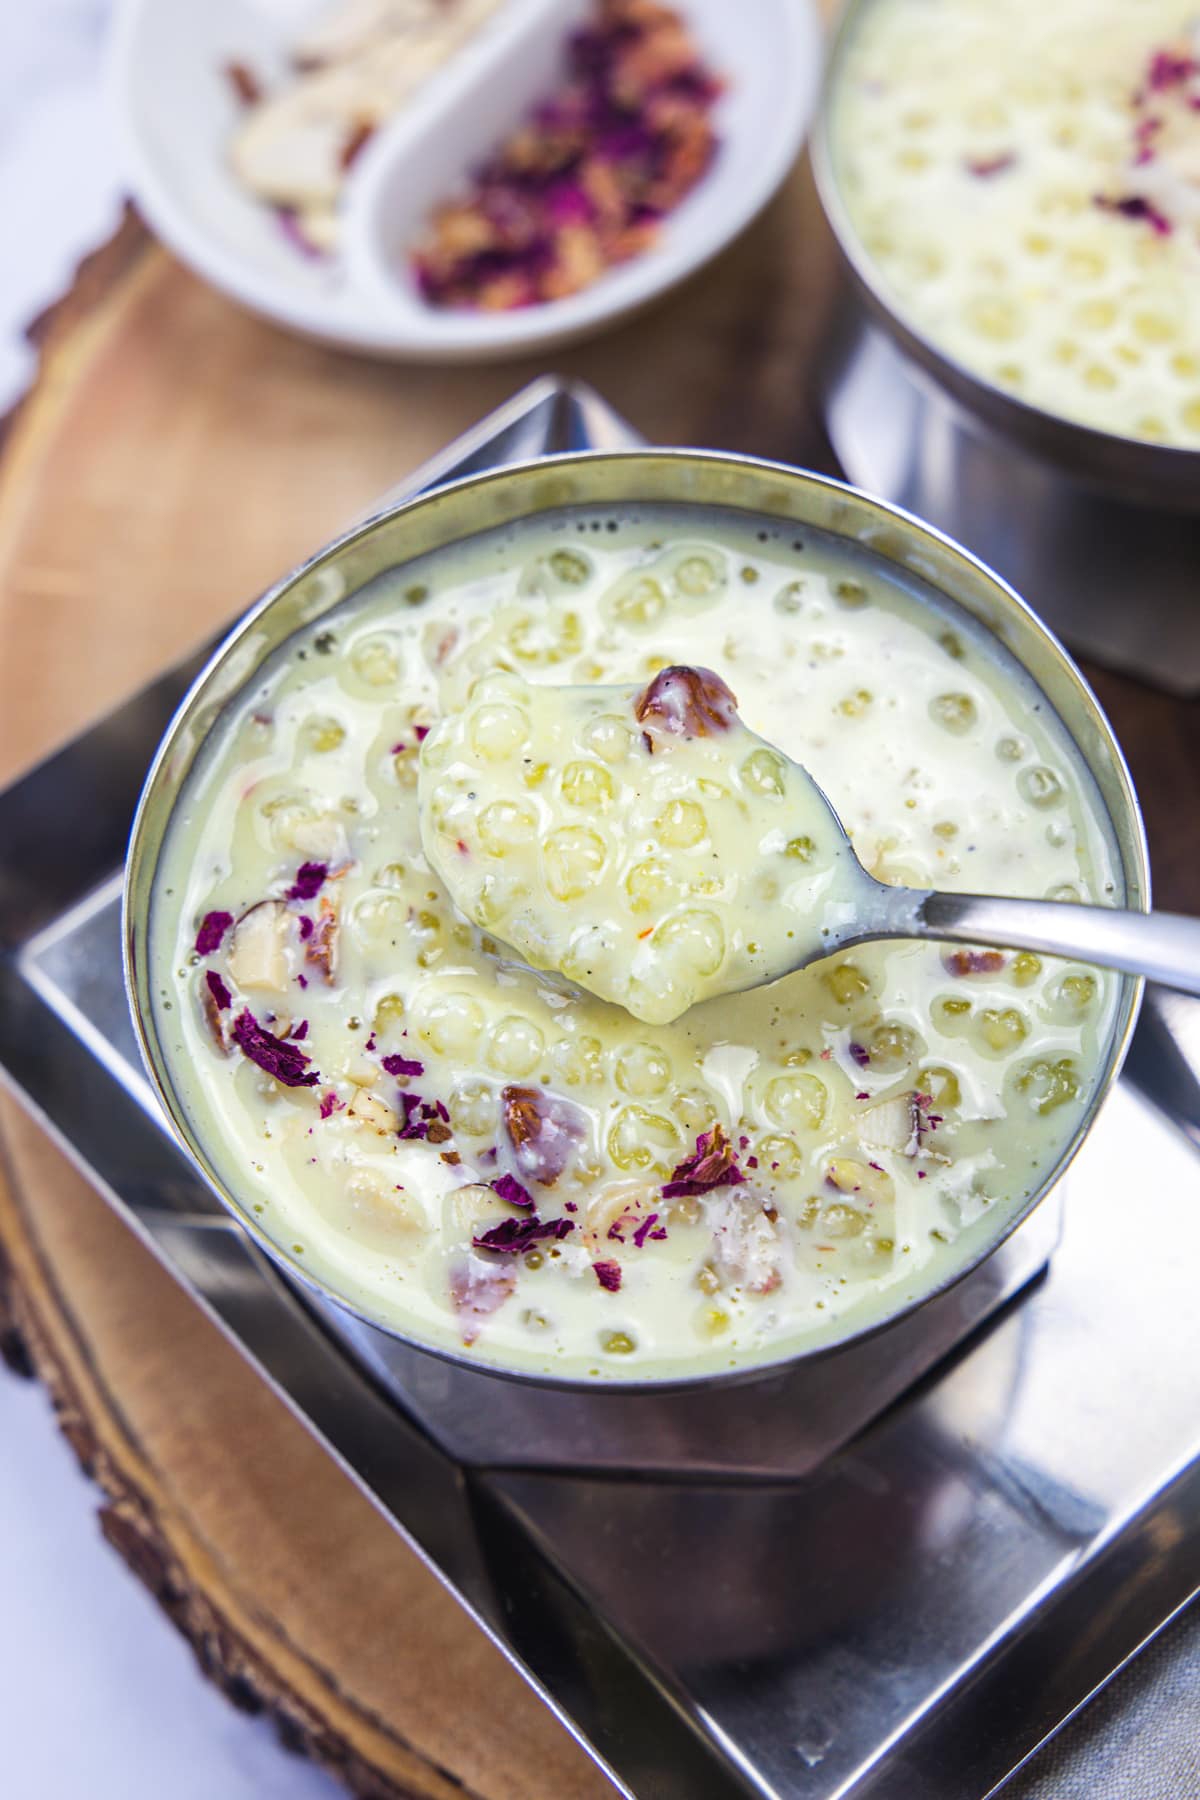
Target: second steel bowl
x,y
1097,529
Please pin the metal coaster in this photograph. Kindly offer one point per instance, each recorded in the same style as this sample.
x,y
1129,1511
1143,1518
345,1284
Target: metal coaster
x,y
922,1597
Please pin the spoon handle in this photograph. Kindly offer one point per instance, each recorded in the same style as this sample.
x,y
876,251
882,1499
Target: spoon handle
x,y
1165,947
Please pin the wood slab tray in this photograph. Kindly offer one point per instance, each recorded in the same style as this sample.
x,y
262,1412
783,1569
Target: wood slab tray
x,y
176,455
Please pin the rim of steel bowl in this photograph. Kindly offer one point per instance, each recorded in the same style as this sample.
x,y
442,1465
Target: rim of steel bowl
x,y
478,503
1165,476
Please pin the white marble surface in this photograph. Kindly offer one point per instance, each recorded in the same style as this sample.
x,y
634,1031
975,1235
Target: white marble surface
x,y
100,1697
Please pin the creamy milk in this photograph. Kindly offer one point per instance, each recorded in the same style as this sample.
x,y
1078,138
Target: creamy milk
x,y
382,1083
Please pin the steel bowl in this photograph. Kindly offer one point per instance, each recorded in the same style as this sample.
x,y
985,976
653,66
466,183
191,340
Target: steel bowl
x,y
763,1419
1079,519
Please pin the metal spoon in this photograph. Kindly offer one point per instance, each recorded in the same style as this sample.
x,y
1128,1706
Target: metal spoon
x,y
1164,947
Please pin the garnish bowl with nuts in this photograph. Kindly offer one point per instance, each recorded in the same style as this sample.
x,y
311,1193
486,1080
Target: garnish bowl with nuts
x,y
482,1159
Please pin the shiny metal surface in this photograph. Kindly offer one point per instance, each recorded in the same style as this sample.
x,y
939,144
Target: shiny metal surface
x,y
912,556
1096,530
910,1619
1163,947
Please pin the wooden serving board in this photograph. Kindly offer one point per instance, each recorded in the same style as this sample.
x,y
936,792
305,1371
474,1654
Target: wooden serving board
x,y
175,456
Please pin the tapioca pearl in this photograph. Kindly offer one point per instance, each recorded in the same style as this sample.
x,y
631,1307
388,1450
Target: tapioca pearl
x,y
1099,377
951,1014
1190,415
765,773
645,1140
375,661
855,705
391,875
945,829
851,595
573,860
800,849
790,599
428,930
495,897
693,939
534,773
695,1108
681,825
780,1158
846,984
1066,892
578,1061
1072,997
797,1102
379,921
496,730
952,644
587,785
618,1343
609,738
287,817
1085,264
711,1322
1025,969
941,1085
699,575
515,1046
506,826
587,954
892,1047
659,994
544,639
321,733
1011,749
1046,1083
865,1182
643,1070
499,686
636,601
995,317
569,567
466,1210
956,713
841,1220
1095,314
449,1023
387,1021
1001,1029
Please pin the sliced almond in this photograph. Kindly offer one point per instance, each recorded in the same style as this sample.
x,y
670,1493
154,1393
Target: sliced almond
x,y
258,959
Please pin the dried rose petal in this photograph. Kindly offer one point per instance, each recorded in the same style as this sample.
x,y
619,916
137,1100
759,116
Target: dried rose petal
x,y
402,1065
544,1132
512,1237
310,878
986,166
284,1061
687,702
974,962
713,1165
246,87
608,1274
217,988
213,927
510,1189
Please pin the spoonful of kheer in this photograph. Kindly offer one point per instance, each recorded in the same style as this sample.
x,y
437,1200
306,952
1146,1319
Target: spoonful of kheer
x,y
646,844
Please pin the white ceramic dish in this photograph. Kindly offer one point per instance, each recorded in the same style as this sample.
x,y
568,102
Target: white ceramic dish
x,y
177,113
